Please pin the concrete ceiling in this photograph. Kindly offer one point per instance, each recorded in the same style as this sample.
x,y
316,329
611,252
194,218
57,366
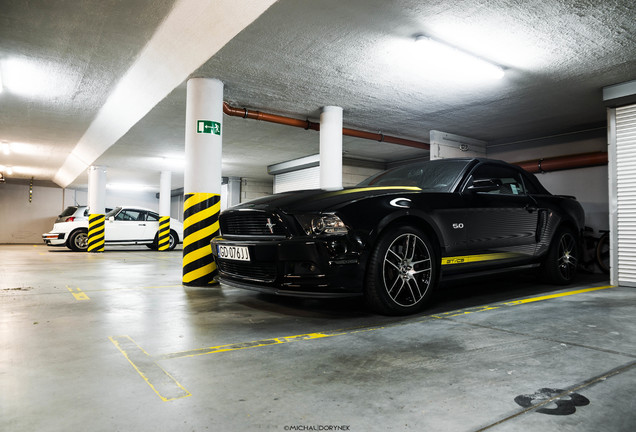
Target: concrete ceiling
x,y
292,58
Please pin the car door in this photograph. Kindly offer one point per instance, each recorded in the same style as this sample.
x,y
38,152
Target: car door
x,y
152,225
128,225
499,217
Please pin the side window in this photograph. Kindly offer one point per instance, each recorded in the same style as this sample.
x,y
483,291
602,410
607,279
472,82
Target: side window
x,y
130,215
152,216
509,180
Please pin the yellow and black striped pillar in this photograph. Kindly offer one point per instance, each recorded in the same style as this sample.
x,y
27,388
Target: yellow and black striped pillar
x,y
200,225
96,232
163,241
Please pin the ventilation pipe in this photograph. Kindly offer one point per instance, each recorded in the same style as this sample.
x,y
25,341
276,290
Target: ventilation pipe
x,y
564,162
306,124
534,166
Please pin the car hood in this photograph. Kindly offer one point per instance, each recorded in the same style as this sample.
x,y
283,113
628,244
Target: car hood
x,y
321,200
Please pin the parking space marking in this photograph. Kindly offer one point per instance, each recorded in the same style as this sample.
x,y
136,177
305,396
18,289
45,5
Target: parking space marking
x,y
167,388
77,293
557,295
161,382
252,344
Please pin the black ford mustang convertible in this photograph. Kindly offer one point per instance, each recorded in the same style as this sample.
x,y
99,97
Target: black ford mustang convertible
x,y
392,237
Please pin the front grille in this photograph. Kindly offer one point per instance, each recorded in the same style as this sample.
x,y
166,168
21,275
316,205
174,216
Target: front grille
x,y
261,272
245,223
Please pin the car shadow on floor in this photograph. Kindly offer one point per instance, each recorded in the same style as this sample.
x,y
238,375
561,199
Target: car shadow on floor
x,y
450,296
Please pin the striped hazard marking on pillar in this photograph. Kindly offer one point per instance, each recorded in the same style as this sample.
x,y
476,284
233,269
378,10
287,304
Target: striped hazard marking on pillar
x,y
200,225
163,241
96,232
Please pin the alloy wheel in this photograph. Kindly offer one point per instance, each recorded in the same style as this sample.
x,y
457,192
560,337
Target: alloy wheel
x,y
568,261
407,270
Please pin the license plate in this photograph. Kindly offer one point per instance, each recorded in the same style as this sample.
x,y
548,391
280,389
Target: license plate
x,y
235,253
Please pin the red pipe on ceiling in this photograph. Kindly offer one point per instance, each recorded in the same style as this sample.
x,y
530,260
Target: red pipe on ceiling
x,y
306,124
564,162
533,166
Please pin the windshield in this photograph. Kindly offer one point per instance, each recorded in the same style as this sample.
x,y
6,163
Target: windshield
x,y
431,176
113,212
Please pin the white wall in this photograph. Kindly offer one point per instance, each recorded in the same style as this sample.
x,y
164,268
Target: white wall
x,y
252,189
22,221
588,185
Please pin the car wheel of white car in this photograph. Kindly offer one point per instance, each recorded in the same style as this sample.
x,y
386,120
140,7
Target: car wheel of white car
x,y
78,241
174,240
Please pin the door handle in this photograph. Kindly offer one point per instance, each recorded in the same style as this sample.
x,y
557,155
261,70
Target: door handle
x,y
142,224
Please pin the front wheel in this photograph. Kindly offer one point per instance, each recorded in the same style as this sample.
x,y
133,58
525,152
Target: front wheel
x,y
562,259
401,273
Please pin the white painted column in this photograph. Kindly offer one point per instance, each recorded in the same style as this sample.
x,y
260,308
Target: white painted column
x,y
95,236
165,187
202,180
331,148
96,189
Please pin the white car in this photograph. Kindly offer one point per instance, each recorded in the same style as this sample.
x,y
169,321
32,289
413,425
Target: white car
x,y
123,226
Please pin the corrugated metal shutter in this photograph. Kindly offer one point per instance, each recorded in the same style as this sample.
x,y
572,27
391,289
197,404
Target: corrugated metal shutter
x,y
308,178
626,194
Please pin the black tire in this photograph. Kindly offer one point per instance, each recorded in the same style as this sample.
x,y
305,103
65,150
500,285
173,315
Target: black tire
x,y
174,240
561,262
603,252
78,241
402,272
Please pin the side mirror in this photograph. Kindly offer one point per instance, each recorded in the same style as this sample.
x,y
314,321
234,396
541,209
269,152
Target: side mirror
x,y
485,185
111,218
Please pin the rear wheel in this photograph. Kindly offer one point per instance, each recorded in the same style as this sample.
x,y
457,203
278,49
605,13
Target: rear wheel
x,y
562,259
173,241
603,253
78,241
402,272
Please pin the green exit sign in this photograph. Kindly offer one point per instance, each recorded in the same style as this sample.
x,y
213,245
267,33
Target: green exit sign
x,y
209,127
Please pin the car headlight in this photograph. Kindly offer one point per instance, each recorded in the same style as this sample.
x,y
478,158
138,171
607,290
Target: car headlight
x,y
325,224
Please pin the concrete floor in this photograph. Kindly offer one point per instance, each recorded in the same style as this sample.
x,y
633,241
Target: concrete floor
x,y
113,342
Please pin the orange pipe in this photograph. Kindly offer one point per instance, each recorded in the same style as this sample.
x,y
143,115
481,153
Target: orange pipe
x,y
564,162
306,124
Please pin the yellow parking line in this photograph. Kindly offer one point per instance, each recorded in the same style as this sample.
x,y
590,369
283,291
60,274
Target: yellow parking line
x,y
245,345
161,382
552,296
77,293
167,388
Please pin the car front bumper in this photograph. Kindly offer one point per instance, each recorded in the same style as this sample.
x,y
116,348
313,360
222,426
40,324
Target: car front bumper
x,y
303,267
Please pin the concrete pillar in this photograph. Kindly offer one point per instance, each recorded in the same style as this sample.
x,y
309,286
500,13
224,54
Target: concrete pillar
x,y
96,209
234,191
202,179
331,148
165,187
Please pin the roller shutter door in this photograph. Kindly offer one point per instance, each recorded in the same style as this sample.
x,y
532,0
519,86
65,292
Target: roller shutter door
x,y
308,178
626,194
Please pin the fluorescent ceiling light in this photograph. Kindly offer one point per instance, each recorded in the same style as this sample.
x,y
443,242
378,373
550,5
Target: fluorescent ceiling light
x,y
447,61
38,78
6,148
